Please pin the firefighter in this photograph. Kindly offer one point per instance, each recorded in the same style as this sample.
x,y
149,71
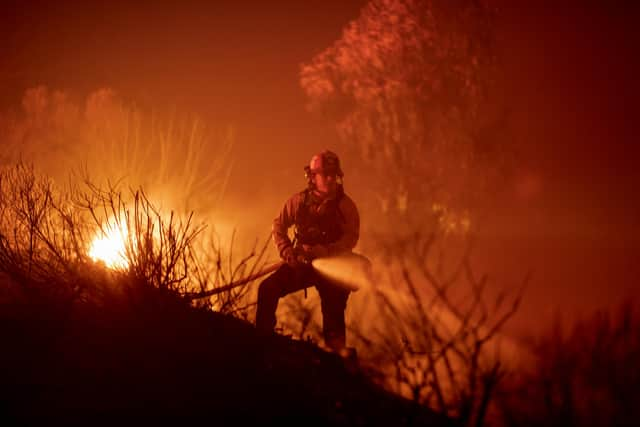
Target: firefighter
x,y
326,223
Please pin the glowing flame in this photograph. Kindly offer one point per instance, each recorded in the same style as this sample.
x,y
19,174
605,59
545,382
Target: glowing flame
x,y
109,246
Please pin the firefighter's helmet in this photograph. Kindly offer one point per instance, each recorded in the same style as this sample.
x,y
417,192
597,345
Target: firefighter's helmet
x,y
326,162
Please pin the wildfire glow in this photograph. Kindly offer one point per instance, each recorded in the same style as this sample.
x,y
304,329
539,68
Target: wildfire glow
x,y
109,247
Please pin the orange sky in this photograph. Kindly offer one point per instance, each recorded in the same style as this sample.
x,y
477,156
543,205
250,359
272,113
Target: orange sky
x,y
573,213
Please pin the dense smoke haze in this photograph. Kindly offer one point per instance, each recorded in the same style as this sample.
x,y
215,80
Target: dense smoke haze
x,y
569,212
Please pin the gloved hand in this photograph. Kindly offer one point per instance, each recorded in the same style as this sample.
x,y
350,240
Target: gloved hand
x,y
289,257
316,251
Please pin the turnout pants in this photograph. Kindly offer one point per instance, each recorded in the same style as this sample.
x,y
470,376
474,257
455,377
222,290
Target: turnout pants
x,y
285,280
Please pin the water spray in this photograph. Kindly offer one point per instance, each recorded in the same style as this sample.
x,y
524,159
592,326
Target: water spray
x,y
351,271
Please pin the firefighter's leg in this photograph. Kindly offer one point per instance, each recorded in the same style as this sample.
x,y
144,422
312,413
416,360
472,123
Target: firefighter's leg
x,y
333,300
282,282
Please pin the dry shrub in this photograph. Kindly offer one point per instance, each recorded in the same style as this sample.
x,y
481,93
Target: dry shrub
x,y
176,165
46,233
431,327
585,374
426,327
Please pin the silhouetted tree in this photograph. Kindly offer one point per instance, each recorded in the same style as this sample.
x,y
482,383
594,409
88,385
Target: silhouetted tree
x,y
411,86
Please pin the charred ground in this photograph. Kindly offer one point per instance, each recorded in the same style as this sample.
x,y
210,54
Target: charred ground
x,y
143,354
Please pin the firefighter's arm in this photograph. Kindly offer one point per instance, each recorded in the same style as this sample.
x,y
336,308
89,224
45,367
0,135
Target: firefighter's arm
x,y
351,228
281,225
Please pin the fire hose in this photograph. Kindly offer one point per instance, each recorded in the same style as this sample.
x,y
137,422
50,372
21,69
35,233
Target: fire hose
x,y
235,284
352,259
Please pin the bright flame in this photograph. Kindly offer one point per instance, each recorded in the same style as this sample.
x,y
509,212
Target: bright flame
x,y
109,247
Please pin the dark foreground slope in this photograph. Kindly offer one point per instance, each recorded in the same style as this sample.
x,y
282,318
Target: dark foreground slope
x,y
146,356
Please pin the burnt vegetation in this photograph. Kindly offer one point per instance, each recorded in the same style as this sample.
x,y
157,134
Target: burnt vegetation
x,y
583,373
85,343
88,344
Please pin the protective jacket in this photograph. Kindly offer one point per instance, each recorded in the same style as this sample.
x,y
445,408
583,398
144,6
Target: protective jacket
x,y
332,222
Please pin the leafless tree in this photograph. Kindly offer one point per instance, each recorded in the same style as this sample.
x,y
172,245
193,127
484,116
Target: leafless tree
x,y
431,332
